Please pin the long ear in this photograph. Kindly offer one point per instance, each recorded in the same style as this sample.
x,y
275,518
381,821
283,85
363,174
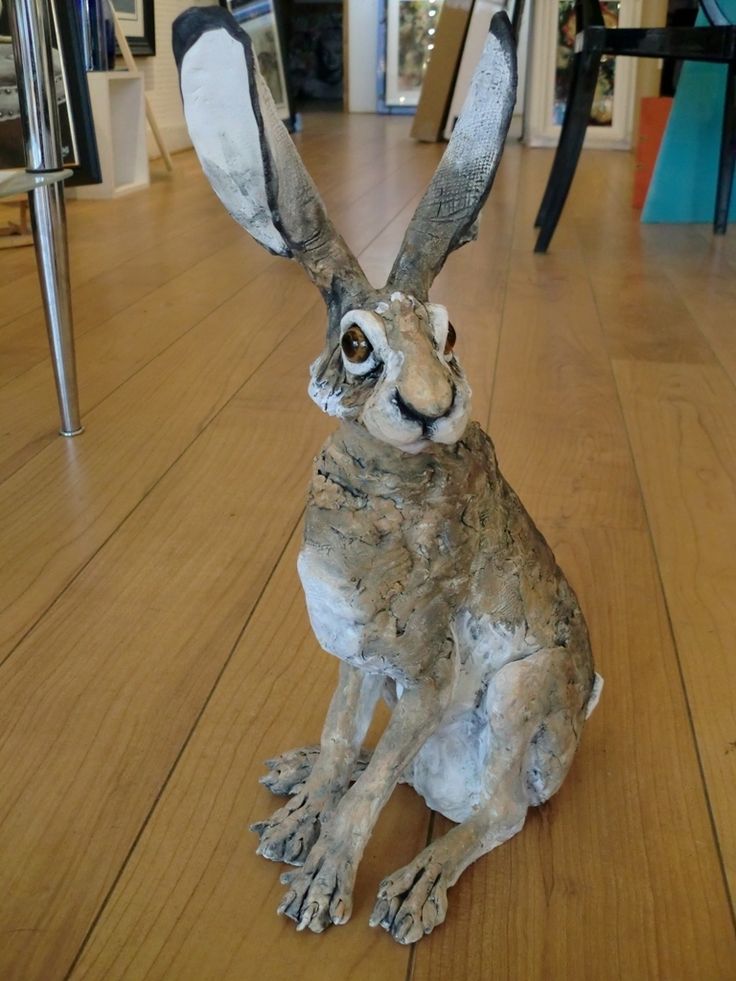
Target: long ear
x,y
446,216
247,154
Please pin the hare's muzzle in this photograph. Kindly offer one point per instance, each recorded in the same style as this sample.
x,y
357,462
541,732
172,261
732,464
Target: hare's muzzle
x,y
429,412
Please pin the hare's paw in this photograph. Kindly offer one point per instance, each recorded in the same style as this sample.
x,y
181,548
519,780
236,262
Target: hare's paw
x,y
412,901
321,892
290,832
288,772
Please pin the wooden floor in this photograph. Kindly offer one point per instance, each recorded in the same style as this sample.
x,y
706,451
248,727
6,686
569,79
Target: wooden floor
x,y
154,648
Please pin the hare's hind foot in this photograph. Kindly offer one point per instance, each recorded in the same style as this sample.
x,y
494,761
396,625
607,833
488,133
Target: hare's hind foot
x,y
413,901
288,772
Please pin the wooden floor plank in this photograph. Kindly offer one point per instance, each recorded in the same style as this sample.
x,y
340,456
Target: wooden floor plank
x,y
121,217
666,332
555,420
116,290
682,424
124,344
67,500
706,283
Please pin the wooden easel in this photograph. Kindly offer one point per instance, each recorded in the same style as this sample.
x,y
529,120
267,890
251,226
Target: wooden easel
x,y
131,67
14,234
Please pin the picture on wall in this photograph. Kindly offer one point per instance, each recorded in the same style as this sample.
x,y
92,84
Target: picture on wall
x,y
78,144
138,24
552,33
259,20
410,27
601,113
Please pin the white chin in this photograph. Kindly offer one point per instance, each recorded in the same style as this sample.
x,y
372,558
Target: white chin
x,y
417,447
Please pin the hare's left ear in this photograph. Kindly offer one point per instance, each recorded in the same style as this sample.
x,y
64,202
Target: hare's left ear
x,y
249,158
446,216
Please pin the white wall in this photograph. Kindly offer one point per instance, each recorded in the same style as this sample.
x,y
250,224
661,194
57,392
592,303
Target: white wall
x,y
162,80
362,54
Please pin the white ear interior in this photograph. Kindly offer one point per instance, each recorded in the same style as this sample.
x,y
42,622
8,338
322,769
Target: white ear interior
x,y
222,124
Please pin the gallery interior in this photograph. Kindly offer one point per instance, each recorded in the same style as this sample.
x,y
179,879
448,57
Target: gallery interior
x,y
164,665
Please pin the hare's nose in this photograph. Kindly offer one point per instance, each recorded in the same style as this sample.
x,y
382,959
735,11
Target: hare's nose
x,y
429,413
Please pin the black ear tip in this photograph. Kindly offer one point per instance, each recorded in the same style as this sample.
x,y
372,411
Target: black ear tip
x,y
190,25
501,28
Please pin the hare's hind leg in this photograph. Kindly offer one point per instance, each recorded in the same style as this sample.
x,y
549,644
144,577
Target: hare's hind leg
x,y
535,713
413,901
317,780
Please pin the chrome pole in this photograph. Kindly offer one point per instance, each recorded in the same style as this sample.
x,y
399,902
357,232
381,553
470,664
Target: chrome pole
x,y
30,28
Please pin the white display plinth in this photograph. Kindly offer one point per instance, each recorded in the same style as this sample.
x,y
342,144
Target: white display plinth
x,y
118,109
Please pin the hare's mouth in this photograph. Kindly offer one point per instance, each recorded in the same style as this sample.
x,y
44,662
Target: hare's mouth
x,y
392,418
415,436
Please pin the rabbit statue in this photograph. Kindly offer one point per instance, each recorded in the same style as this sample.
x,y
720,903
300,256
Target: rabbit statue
x,y
422,571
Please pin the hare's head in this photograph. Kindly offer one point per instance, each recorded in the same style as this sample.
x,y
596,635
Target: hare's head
x,y
388,362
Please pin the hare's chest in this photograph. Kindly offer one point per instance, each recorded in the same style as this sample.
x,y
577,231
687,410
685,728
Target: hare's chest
x,y
357,590
381,582
336,616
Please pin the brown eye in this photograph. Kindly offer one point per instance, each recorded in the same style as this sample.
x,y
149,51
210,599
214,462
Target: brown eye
x,y
355,345
450,342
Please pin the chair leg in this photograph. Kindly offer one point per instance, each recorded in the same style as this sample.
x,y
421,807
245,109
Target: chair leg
x,y
564,136
577,114
728,154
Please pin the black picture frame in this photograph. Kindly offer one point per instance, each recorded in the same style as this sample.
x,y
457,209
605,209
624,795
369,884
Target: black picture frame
x,y
79,143
87,168
139,30
259,12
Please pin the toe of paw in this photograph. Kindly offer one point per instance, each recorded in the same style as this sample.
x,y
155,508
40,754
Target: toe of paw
x,y
405,930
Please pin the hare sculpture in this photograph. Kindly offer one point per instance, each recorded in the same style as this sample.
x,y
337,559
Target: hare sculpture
x,y
422,571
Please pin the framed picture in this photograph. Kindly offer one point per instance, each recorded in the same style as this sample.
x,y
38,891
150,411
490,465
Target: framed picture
x,y
406,40
554,40
78,143
475,39
138,24
259,19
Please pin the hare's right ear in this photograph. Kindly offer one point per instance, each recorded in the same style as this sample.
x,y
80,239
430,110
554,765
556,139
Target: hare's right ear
x,y
247,155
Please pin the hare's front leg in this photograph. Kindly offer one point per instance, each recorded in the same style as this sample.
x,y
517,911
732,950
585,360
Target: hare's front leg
x,y
321,892
289,771
291,831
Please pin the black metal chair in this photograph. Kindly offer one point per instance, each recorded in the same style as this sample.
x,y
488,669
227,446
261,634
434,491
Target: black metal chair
x,y
714,42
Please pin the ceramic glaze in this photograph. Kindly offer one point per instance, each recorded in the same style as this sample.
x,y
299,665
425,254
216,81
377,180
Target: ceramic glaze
x,y
422,571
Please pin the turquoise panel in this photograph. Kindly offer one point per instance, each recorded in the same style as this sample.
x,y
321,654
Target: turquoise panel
x,y
683,186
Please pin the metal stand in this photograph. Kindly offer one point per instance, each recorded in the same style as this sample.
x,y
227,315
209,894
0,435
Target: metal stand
x,y
29,21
